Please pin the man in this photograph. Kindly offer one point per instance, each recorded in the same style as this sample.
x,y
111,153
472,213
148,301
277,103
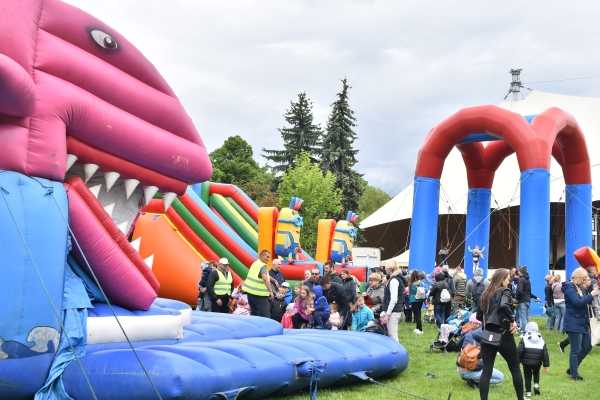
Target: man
x,y
335,293
315,279
460,287
475,289
349,284
258,286
523,297
204,300
329,272
219,286
275,273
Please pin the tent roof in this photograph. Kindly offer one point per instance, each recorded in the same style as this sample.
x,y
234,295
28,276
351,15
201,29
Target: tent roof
x,y
505,192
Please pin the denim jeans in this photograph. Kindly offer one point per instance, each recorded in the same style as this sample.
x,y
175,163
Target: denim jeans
x,y
522,315
550,317
559,315
581,345
497,376
439,311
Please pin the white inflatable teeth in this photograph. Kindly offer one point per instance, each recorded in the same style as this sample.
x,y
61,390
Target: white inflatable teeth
x,y
123,227
149,261
110,208
136,244
110,178
89,170
168,199
130,185
71,158
95,190
149,192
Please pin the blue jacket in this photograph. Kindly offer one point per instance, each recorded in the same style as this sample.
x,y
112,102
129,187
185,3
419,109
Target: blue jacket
x,y
360,318
577,318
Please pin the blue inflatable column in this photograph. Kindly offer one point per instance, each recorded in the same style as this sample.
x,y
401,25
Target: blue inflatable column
x,y
424,223
534,230
478,228
578,222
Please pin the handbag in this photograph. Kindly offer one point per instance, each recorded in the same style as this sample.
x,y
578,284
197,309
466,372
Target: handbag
x,y
490,338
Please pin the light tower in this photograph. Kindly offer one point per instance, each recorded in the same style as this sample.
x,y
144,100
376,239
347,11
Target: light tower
x,y
515,85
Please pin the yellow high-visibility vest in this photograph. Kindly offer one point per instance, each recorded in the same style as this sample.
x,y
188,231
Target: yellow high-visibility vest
x,y
223,285
254,283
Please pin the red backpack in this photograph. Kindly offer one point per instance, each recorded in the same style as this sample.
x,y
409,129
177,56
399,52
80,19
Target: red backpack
x,y
468,357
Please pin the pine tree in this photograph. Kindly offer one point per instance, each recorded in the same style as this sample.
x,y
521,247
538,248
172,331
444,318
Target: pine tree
x,y
337,152
301,136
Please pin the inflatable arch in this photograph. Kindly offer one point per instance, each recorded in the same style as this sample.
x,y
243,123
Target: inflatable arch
x,y
551,133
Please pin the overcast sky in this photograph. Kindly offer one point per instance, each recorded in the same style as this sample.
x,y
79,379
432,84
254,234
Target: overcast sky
x,y
237,64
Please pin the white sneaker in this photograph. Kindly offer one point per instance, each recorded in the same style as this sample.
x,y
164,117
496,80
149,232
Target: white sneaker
x,y
418,332
528,395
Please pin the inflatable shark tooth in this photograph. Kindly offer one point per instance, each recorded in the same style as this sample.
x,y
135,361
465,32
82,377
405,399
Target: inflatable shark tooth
x,y
95,190
130,185
136,244
110,178
149,192
89,171
110,208
149,261
123,227
71,159
168,199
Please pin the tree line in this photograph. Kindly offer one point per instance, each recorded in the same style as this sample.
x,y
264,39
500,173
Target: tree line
x,y
315,164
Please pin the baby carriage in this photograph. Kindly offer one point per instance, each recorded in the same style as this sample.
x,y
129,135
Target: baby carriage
x,y
376,327
444,339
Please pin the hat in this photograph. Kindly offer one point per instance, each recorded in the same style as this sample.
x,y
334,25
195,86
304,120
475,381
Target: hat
x,y
223,261
285,284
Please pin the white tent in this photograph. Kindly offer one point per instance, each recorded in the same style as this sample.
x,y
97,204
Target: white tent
x,y
506,191
400,260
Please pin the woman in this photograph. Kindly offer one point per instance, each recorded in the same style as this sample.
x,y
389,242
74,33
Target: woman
x,y
393,300
416,296
497,316
559,303
375,293
549,302
577,318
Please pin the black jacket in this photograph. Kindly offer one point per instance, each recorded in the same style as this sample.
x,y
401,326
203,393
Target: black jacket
x,y
336,293
499,314
399,306
549,295
533,357
523,294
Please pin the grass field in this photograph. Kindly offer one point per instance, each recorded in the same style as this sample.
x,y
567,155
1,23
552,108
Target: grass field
x,y
433,376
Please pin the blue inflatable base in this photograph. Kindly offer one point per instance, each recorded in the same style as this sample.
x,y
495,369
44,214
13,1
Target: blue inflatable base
x,y
223,356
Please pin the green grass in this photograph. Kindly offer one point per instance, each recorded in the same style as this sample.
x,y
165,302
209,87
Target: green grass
x,y
555,384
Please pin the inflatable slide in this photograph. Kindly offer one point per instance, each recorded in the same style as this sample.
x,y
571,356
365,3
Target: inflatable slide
x,y
91,132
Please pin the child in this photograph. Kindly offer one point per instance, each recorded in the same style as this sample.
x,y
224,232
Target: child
x,y
286,320
335,319
278,304
304,307
322,311
533,354
361,315
242,307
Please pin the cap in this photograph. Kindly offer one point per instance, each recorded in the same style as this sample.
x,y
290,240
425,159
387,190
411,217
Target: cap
x,y
223,261
316,271
285,284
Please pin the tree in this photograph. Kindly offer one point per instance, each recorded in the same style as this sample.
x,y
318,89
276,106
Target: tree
x,y
301,135
234,163
371,200
337,151
318,189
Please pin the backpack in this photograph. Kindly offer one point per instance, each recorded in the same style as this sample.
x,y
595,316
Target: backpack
x,y
477,290
445,296
468,357
421,293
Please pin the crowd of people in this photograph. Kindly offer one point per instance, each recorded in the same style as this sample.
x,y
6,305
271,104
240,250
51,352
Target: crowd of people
x,y
479,317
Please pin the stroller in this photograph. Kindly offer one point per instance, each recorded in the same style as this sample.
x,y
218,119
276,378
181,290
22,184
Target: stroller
x,y
376,327
446,339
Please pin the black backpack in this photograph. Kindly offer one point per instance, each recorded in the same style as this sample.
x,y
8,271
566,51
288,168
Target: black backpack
x,y
477,291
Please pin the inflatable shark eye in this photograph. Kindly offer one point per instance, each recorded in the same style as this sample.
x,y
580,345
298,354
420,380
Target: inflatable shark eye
x,y
103,39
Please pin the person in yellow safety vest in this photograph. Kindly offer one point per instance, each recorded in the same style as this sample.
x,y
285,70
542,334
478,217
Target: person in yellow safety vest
x,y
219,286
258,286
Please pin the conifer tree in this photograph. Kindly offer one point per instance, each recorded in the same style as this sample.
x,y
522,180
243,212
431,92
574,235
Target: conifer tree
x,y
301,135
337,150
